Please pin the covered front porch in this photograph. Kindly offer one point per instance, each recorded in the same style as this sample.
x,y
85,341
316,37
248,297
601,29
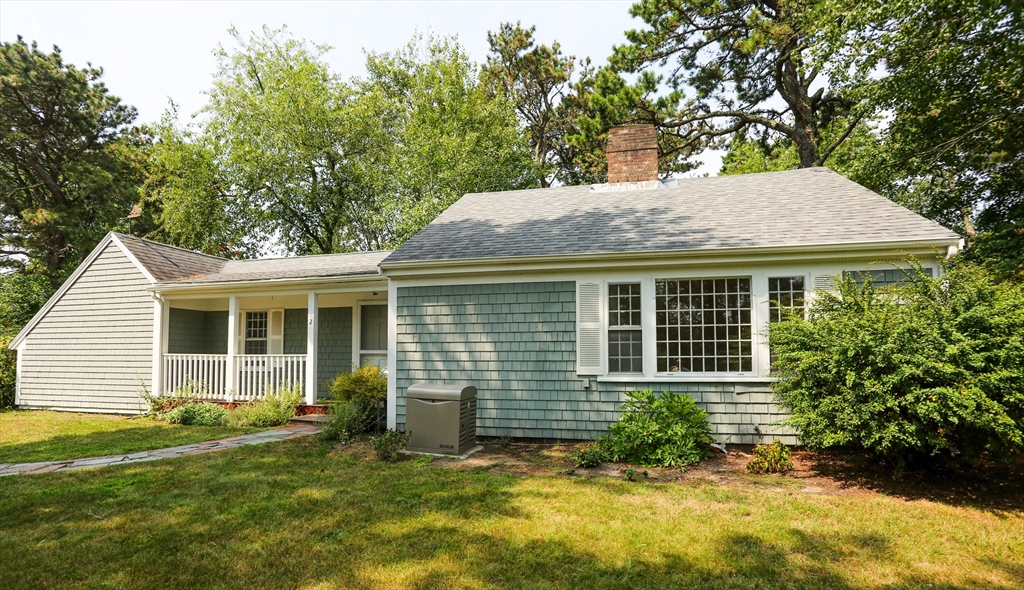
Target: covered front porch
x,y
238,347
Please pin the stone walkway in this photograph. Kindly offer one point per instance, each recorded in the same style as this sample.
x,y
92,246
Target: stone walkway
x,y
210,446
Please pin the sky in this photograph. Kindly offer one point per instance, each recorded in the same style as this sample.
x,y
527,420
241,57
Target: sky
x,y
152,52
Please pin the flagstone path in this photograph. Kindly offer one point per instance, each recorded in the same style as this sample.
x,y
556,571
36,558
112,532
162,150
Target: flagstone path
x,y
210,446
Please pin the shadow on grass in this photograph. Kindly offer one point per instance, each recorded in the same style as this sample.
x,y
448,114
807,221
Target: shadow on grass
x,y
989,485
301,514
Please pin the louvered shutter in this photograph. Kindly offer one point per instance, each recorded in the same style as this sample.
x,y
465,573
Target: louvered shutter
x,y
588,328
275,340
824,283
240,335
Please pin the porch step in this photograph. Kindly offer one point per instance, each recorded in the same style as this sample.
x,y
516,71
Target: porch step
x,y
309,419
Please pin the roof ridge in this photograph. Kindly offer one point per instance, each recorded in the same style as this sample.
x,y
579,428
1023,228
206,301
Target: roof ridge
x,y
309,256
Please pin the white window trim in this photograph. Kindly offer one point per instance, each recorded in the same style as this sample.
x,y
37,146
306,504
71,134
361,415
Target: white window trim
x,y
759,322
245,331
605,328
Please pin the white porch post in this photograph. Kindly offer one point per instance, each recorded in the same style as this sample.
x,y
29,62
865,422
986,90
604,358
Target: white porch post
x,y
229,371
312,324
157,383
392,355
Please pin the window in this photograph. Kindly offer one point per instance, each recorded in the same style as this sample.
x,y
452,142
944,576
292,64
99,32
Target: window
x,y
704,325
625,337
784,293
882,278
373,335
255,332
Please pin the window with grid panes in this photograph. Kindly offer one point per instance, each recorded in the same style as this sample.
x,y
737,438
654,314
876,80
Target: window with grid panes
x,y
256,332
625,336
704,325
784,293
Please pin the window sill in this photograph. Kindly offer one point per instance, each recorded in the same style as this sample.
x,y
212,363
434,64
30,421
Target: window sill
x,y
695,378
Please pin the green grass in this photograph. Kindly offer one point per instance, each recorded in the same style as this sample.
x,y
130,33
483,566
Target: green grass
x,y
30,436
300,514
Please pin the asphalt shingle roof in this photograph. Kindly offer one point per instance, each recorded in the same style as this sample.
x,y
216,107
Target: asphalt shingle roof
x,y
799,207
171,265
297,267
167,263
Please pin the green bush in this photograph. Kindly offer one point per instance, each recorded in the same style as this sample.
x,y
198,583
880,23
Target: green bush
x,y
346,421
21,295
659,431
198,414
273,410
159,405
8,373
366,386
933,367
388,443
771,458
589,455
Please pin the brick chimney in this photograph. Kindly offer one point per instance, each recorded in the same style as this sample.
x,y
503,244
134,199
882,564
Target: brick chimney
x,y
632,153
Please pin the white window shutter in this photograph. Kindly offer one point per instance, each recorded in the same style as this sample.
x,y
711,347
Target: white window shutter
x,y
824,283
275,344
240,336
588,328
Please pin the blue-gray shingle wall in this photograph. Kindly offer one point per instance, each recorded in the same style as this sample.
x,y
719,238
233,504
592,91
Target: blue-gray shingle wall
x,y
516,343
197,332
334,336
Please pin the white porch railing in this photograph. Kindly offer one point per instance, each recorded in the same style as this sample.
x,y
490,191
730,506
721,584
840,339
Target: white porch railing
x,y
204,375
201,375
259,372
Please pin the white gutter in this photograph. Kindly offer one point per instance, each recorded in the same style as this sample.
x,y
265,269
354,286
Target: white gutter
x,y
668,257
172,287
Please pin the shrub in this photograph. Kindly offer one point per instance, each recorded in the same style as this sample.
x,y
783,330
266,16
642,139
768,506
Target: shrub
x,y
933,367
8,373
388,443
589,455
273,410
198,414
366,386
347,420
771,458
161,404
659,431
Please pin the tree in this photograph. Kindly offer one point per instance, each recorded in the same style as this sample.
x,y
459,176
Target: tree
x,y
741,59
447,134
952,77
190,198
289,152
537,80
70,164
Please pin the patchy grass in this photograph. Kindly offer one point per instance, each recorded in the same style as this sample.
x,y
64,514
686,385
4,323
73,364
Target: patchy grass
x,y
305,514
30,436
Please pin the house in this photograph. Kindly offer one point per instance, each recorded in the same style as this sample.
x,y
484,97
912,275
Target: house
x,y
553,302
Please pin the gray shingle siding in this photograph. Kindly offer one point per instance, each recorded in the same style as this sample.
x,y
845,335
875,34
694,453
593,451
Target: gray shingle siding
x,y
334,341
516,343
192,331
186,331
93,350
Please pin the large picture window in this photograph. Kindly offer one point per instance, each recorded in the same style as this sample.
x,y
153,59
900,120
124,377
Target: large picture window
x,y
625,336
704,325
256,332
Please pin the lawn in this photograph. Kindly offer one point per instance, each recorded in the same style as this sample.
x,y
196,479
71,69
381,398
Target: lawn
x,y
307,514
30,436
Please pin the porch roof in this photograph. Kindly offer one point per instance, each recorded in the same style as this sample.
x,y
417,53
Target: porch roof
x,y
170,265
